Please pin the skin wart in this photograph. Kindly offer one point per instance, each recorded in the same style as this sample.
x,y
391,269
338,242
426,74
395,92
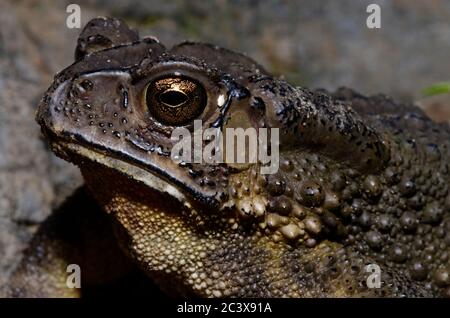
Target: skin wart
x,y
362,180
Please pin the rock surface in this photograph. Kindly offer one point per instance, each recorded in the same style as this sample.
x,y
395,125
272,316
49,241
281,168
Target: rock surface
x,y
322,44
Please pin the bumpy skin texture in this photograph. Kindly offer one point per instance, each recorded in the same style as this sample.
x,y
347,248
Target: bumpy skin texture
x,y
362,180
78,232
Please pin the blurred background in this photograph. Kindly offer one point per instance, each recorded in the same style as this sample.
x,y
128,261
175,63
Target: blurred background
x,y
312,43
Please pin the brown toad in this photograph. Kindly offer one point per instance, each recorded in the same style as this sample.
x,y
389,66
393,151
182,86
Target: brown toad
x,y
362,180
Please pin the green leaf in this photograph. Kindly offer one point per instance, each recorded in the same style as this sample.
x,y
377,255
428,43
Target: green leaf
x,y
436,89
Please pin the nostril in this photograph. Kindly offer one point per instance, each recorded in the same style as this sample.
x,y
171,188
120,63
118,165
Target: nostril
x,y
173,98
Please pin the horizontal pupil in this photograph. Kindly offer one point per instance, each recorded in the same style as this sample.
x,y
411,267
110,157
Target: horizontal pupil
x,y
173,98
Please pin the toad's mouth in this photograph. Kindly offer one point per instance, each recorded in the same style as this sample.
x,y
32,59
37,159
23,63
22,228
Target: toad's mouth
x,y
74,148
139,174
79,154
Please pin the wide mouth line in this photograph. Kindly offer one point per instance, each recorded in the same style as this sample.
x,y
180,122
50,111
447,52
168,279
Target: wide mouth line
x,y
81,149
150,174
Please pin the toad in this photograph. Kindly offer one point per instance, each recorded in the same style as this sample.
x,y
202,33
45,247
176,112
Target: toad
x,y
362,184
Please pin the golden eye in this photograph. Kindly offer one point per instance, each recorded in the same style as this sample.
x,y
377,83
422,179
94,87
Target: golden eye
x,y
175,100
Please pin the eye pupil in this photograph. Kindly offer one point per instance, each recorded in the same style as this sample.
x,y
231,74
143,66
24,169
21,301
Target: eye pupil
x,y
173,98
